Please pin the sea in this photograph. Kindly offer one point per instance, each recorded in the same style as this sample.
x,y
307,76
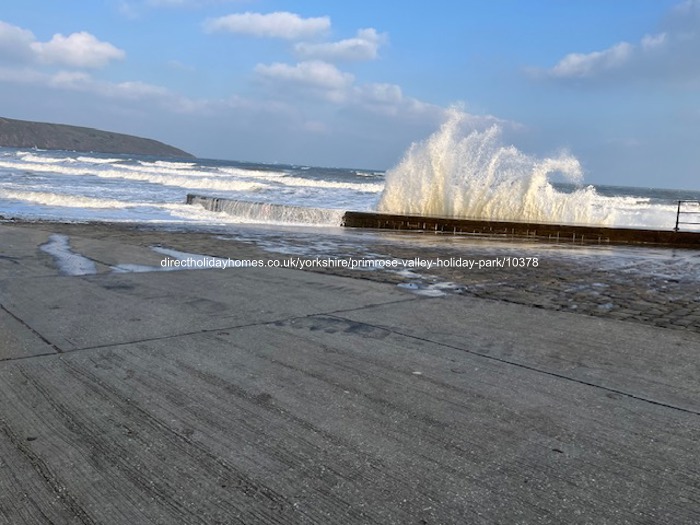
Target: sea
x,y
71,186
454,180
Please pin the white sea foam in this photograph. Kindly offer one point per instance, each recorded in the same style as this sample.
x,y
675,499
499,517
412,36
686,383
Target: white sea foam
x,y
289,180
207,183
173,165
641,215
299,182
31,157
197,214
66,201
204,172
96,160
129,173
242,172
54,167
259,212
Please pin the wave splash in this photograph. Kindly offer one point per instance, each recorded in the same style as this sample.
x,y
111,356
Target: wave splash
x,y
262,212
458,172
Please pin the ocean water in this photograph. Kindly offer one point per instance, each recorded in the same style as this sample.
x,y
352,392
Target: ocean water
x,y
71,186
454,172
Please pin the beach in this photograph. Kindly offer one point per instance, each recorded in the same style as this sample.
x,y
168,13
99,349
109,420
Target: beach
x,y
541,384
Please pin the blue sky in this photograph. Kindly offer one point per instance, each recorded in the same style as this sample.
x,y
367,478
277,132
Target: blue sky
x,y
616,83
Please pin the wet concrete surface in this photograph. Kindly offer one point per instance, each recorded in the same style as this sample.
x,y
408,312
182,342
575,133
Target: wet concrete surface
x,y
269,395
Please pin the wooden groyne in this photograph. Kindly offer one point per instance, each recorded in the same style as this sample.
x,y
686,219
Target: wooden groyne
x,y
560,233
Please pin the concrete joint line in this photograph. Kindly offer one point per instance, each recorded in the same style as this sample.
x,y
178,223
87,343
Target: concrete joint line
x,y
23,323
195,332
364,307
528,367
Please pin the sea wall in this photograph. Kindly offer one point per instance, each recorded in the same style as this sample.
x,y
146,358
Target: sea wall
x,y
264,212
560,233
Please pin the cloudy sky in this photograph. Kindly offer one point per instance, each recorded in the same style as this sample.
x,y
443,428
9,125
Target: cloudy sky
x,y
616,83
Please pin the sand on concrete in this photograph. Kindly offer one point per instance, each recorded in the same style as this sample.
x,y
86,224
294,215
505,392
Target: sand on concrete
x,y
263,395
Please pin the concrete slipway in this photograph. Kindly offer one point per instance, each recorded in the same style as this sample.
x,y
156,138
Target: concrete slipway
x,y
281,396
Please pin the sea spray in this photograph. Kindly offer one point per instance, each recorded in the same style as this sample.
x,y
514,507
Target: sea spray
x,y
469,173
248,211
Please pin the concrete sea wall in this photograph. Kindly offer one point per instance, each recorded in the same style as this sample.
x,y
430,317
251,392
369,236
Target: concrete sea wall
x,y
553,232
560,233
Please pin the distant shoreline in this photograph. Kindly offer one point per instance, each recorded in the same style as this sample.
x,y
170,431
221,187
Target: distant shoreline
x,y
63,137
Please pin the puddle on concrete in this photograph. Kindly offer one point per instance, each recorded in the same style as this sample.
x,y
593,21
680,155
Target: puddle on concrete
x,y
439,289
139,268
67,261
70,262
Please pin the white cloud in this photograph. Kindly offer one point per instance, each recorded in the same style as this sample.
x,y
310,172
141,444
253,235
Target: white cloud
x,y
651,42
280,24
22,75
314,74
578,65
80,50
15,42
381,93
83,82
389,100
135,90
74,80
323,82
671,54
364,46
686,8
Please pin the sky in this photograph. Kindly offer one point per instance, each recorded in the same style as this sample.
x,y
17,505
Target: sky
x,y
353,84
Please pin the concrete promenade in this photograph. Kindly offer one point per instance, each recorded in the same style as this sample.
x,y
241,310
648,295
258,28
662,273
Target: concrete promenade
x,y
274,396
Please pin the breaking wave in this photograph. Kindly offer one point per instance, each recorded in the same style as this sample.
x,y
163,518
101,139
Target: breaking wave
x,y
471,174
261,212
66,201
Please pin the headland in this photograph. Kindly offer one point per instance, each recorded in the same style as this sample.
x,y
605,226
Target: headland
x,y
42,135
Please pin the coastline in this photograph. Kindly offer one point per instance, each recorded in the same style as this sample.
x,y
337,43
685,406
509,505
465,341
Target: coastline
x,y
278,395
